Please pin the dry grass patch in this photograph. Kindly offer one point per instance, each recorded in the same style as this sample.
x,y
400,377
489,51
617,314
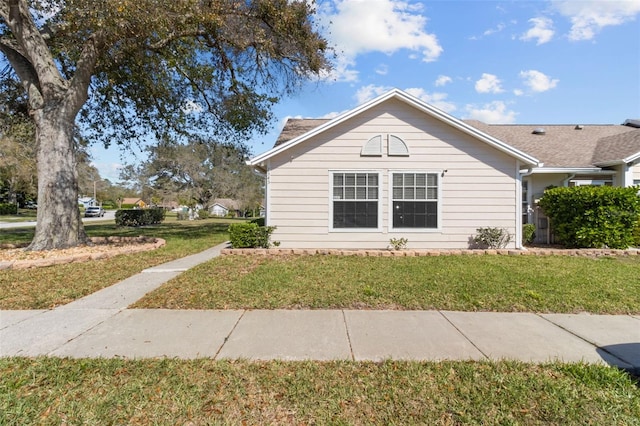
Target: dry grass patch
x,y
52,391
56,285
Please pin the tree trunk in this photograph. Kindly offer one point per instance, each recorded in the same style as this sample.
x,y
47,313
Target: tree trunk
x,y
59,224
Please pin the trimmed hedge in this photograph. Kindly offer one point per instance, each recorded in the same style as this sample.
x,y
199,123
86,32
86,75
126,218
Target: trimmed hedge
x,y
250,235
139,217
593,216
6,208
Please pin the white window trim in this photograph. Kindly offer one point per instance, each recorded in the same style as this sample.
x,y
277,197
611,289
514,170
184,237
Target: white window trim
x,y
331,200
391,229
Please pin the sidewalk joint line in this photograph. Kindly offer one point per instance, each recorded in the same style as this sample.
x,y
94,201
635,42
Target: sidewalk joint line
x,y
594,344
344,320
464,335
85,331
226,339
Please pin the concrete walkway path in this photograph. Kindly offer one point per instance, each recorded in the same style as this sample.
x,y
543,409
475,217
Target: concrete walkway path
x,y
100,325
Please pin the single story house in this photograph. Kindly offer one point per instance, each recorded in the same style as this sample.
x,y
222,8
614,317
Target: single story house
x,y
397,167
132,201
222,206
87,202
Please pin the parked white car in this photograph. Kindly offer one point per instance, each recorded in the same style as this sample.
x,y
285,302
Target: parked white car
x,y
94,211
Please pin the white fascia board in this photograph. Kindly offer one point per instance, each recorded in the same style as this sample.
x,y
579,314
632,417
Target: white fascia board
x,y
416,103
572,170
329,124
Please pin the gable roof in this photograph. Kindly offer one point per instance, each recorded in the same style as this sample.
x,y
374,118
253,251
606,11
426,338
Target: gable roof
x,y
570,146
227,203
290,135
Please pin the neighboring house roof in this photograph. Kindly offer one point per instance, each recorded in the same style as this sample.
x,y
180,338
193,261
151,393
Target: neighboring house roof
x,y
561,146
132,201
290,136
570,146
227,203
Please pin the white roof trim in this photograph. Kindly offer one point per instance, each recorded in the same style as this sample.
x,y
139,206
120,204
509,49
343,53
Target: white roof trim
x,y
572,170
410,100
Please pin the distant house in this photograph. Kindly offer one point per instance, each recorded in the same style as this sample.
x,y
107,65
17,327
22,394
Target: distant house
x,y
87,202
399,167
133,203
223,206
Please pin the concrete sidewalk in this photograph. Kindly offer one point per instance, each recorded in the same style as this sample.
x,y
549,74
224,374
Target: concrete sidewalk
x,y
100,325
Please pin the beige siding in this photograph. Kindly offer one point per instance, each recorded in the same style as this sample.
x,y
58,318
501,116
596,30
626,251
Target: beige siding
x,y
478,189
636,172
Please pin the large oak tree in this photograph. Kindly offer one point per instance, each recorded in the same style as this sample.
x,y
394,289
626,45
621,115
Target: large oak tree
x,y
121,68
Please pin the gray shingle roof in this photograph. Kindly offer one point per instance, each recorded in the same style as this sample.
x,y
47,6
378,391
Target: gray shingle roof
x,y
560,146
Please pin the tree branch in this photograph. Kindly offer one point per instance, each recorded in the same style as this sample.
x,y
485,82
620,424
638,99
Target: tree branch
x,y
25,72
32,44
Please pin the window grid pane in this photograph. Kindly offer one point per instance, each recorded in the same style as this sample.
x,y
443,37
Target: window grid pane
x,y
356,200
415,200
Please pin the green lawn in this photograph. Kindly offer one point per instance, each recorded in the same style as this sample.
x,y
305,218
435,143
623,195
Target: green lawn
x,y
43,288
51,391
467,283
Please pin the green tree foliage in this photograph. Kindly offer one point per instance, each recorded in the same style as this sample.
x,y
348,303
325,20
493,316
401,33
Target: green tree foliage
x,y
130,67
18,176
201,171
593,216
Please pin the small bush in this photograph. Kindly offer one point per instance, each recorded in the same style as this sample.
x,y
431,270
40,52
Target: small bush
x,y
259,221
139,217
528,233
493,238
398,243
250,235
203,214
6,208
593,216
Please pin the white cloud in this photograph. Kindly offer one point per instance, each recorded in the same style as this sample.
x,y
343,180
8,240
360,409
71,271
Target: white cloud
x,y
590,17
191,106
495,112
489,83
358,27
442,80
541,31
438,100
518,92
108,170
342,72
537,81
497,29
382,69
366,93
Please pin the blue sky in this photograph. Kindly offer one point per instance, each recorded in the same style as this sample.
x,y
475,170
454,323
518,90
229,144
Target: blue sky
x,y
521,62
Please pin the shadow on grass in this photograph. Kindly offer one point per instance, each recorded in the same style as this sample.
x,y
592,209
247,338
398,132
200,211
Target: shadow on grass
x,y
625,356
166,230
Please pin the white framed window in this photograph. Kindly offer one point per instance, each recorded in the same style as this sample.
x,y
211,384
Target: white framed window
x,y
415,200
355,200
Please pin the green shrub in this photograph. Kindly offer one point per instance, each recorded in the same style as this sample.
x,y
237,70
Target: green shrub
x,y
6,208
139,217
258,220
493,238
203,214
249,235
528,233
593,216
636,234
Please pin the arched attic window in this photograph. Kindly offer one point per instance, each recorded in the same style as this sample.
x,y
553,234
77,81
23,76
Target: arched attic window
x,y
373,147
397,147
